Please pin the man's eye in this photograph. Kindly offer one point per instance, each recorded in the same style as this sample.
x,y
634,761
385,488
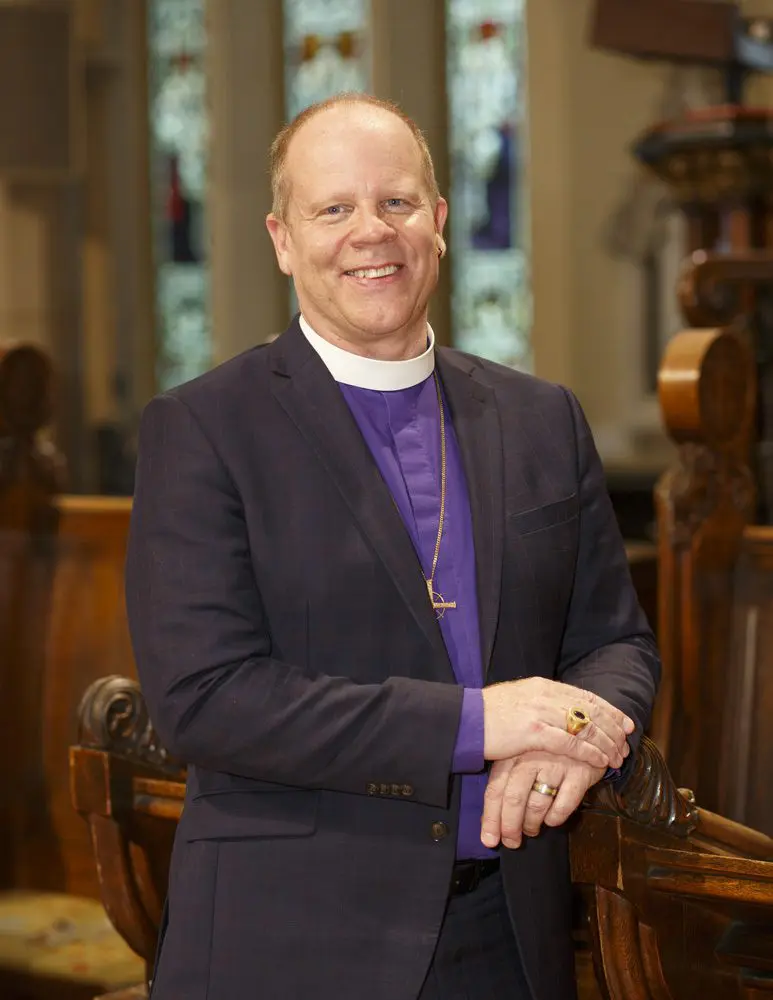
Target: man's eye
x,y
334,210
395,202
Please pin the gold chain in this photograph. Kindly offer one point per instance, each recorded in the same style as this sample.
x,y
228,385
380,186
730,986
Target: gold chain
x,y
439,605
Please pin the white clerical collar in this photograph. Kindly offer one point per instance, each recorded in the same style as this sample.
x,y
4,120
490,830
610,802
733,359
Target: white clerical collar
x,y
369,373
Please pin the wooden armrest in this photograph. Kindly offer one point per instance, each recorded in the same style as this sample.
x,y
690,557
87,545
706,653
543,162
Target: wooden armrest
x,y
679,901
131,793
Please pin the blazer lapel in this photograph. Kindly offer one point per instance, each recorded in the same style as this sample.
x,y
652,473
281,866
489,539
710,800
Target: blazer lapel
x,y
310,397
476,422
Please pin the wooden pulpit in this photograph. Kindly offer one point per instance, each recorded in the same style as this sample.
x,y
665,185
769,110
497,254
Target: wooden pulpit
x,y
715,505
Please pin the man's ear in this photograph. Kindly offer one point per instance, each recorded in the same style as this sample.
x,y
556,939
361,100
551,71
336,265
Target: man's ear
x,y
441,214
279,237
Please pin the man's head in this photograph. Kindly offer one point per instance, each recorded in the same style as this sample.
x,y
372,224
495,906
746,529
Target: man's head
x,y
357,221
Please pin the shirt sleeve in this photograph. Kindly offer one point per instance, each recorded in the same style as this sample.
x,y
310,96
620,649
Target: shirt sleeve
x,y
468,751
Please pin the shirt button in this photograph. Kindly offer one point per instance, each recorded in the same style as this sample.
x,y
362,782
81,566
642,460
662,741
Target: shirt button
x,y
439,831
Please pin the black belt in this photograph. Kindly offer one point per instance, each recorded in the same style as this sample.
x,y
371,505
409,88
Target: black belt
x,y
468,875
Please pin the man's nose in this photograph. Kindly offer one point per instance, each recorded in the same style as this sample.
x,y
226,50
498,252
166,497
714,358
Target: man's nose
x,y
371,227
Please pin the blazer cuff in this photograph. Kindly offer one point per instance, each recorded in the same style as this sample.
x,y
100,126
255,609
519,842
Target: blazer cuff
x,y
468,750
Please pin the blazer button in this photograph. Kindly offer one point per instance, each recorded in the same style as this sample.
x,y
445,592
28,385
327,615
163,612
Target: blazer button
x,y
439,831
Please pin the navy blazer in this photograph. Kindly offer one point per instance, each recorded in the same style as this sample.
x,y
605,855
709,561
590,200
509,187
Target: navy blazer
x,y
289,654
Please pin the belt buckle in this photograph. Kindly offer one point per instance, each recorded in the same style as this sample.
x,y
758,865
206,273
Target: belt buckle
x,y
467,878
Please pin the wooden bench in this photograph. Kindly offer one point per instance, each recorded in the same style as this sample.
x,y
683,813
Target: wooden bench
x,y
56,940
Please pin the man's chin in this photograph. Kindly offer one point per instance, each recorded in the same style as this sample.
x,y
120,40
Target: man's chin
x,y
382,325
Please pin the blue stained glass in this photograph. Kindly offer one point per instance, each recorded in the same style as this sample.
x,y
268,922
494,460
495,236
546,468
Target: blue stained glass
x,y
179,130
487,106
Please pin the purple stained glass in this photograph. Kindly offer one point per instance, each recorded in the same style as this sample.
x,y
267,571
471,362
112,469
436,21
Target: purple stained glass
x,y
488,225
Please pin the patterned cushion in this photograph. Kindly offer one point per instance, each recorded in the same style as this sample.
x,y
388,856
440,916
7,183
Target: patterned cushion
x,y
65,938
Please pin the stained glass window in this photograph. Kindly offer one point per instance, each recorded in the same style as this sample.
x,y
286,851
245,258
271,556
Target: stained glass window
x,y
487,228
326,50
179,135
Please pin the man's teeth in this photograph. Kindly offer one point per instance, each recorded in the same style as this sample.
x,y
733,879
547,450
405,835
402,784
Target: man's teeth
x,y
375,272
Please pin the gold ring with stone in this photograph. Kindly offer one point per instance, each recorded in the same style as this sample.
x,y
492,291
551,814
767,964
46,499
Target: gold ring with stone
x,y
543,789
576,721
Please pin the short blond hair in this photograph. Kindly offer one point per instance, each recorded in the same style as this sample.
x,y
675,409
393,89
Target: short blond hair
x,y
280,189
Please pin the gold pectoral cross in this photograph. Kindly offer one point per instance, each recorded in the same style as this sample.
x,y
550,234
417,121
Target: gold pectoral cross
x,y
437,601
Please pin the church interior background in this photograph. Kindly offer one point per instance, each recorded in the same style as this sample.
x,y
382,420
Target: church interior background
x,y
143,259
134,256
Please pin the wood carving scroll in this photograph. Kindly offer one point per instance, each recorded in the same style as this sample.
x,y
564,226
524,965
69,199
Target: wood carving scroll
x,y
649,796
707,394
113,717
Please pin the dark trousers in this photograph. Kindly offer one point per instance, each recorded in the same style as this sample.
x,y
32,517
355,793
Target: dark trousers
x,y
476,956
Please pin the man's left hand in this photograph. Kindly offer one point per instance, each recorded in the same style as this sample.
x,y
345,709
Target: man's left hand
x,y
512,807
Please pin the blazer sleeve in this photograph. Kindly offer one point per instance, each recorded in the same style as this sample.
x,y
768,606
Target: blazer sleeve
x,y
202,645
608,646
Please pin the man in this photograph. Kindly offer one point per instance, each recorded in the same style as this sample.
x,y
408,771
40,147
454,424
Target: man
x,y
376,591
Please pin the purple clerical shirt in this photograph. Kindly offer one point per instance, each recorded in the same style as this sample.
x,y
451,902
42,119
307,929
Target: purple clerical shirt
x,y
402,430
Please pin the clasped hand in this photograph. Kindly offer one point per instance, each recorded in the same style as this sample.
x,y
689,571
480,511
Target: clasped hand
x,y
526,737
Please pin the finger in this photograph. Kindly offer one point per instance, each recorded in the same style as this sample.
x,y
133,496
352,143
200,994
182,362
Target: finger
x,y
615,723
601,731
516,795
490,824
538,804
563,744
593,734
571,792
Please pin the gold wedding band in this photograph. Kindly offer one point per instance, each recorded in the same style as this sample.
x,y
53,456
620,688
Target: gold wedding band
x,y
543,789
576,721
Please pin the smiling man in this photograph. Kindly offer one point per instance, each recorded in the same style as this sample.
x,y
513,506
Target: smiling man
x,y
380,606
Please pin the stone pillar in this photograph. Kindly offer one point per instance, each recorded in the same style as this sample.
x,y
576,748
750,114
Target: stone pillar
x,y
250,296
409,67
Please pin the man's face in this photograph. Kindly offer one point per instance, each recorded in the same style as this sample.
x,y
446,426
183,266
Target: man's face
x,y
359,237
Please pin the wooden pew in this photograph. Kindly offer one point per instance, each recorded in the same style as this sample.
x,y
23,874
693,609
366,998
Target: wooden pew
x,y
55,938
62,624
678,901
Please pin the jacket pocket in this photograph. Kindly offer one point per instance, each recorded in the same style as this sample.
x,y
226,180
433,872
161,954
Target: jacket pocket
x,y
235,815
526,522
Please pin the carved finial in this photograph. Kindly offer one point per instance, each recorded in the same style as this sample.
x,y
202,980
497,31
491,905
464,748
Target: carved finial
x,y
649,796
113,716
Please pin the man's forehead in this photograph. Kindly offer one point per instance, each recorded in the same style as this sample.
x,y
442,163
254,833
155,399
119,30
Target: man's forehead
x,y
355,117
330,133
348,152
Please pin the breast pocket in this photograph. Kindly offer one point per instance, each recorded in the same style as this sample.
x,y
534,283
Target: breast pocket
x,y
551,515
237,815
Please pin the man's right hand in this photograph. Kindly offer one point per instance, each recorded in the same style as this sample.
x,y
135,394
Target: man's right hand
x,y
531,714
